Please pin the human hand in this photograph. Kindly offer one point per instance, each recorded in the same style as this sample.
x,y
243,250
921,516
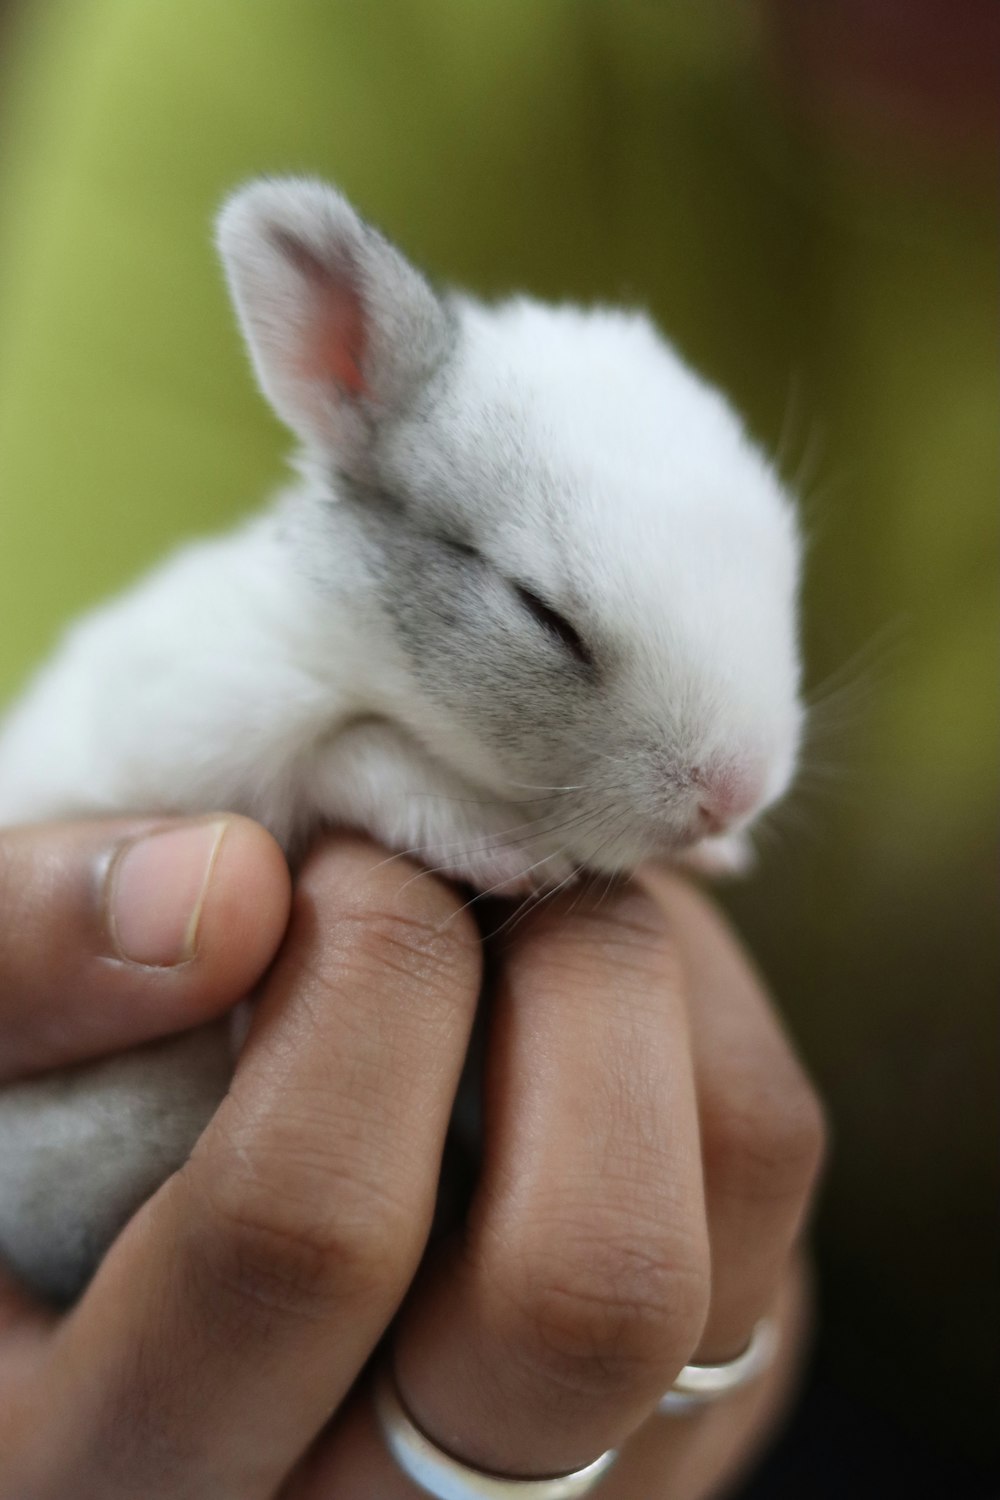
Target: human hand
x,y
231,1316
227,1325
651,1150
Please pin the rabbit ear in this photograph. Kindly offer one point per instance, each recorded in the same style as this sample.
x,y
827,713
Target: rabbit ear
x,y
341,328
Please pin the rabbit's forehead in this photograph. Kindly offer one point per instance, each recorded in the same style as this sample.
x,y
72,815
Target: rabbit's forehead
x,y
584,471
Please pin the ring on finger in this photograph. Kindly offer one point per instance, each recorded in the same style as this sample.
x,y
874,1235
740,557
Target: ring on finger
x,y
698,1385
442,1476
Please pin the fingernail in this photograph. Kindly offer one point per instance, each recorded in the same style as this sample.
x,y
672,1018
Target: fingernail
x,y
157,889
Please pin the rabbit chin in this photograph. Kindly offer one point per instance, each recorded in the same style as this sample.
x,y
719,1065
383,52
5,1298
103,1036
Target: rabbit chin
x,y
511,870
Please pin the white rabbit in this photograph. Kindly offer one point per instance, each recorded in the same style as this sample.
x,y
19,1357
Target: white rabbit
x,y
530,611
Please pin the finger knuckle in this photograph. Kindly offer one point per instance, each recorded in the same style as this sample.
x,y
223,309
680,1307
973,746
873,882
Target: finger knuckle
x,y
418,935
601,1315
626,941
765,1141
297,1255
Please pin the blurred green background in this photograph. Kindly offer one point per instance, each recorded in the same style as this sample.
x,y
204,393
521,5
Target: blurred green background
x,y
803,196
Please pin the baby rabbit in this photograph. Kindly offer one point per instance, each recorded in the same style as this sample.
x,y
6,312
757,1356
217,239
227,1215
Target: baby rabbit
x,y
529,612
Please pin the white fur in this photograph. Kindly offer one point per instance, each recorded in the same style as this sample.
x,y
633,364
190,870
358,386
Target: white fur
x,y
345,659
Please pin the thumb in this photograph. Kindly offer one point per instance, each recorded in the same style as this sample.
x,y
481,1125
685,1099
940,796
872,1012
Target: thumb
x,y
114,933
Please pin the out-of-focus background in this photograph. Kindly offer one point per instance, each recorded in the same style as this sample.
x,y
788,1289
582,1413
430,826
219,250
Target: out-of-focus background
x,y
803,194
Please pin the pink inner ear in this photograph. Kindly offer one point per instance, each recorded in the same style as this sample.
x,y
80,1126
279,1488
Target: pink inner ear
x,y
334,343
337,343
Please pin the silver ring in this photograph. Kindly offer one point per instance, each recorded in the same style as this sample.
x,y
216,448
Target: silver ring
x,y
697,1385
445,1478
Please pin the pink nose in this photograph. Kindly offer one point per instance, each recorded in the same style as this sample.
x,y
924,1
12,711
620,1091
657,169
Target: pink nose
x,y
726,794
